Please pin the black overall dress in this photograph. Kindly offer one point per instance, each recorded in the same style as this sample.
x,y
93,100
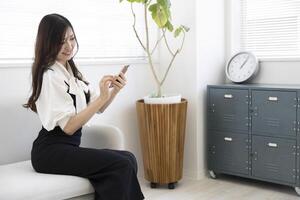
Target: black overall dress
x,y
112,173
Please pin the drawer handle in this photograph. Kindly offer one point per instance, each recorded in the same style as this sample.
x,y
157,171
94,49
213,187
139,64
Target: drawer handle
x,y
228,96
273,98
270,144
229,139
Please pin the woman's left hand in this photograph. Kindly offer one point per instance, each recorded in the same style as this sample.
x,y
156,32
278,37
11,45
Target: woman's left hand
x,y
119,82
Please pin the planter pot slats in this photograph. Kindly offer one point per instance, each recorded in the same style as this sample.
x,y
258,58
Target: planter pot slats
x,y
162,134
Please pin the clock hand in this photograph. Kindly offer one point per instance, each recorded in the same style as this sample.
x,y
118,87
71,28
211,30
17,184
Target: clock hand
x,y
244,62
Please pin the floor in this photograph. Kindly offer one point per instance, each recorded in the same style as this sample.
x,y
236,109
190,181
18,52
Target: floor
x,y
223,188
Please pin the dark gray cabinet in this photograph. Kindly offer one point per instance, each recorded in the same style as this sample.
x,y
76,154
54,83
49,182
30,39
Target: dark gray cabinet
x,y
274,159
228,110
229,152
274,113
254,131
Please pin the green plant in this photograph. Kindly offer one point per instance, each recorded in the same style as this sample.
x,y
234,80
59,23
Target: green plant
x,y
161,15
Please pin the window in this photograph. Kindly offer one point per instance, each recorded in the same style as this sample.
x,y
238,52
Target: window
x,y
270,28
103,28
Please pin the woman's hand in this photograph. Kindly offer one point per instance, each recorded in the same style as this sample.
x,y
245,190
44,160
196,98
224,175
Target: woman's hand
x,y
118,83
109,88
104,85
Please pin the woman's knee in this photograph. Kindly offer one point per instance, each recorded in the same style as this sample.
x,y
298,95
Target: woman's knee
x,y
133,160
131,156
130,159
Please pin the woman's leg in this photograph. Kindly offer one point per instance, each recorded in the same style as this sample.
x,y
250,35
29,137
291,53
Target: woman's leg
x,y
112,173
127,155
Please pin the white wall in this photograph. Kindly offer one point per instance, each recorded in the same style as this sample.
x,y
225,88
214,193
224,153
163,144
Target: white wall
x,y
210,63
18,127
276,72
200,63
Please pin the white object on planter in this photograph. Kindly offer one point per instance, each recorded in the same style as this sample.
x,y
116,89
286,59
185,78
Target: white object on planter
x,y
165,99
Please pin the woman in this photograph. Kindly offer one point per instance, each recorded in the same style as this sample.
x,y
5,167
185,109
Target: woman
x,y
64,103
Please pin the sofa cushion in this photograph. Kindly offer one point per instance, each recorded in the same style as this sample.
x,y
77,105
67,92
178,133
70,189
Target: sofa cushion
x,y
20,181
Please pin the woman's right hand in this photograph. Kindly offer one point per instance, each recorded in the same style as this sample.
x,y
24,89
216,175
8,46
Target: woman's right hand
x,y
104,86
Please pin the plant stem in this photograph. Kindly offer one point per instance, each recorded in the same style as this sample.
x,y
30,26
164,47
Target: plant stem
x,y
148,3
167,44
146,27
157,42
149,53
169,67
182,42
173,58
134,29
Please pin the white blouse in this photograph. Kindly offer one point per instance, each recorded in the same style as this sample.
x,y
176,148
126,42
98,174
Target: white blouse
x,y
55,105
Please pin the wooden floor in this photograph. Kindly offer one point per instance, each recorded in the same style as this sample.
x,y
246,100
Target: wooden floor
x,y
223,188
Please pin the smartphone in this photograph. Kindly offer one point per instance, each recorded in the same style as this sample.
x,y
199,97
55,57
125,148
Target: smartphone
x,y
124,70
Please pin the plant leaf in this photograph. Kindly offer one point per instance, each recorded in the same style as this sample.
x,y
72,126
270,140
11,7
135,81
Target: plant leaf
x,y
186,29
165,5
153,8
166,2
169,26
159,15
162,17
178,31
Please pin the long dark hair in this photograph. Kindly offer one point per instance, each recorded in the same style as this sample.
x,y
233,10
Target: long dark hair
x,y
51,33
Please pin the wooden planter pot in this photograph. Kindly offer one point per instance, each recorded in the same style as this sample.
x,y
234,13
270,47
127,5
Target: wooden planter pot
x,y
162,134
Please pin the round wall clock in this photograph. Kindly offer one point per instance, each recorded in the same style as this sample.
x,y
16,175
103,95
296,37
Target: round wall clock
x,y
242,67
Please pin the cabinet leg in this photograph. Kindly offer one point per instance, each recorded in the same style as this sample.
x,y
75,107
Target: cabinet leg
x,y
212,174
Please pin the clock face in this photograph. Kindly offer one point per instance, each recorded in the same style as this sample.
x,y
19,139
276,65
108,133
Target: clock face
x,y
242,67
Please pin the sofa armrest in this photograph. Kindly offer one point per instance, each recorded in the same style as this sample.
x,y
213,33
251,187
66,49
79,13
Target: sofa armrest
x,y
102,136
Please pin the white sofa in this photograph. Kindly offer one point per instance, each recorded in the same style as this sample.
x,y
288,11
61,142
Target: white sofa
x,y
18,180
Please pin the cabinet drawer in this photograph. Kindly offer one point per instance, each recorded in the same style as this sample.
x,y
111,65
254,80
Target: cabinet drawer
x,y
228,109
274,113
228,152
274,158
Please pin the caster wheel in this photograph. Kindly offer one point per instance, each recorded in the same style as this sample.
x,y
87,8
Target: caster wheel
x,y
153,185
171,186
212,174
297,189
